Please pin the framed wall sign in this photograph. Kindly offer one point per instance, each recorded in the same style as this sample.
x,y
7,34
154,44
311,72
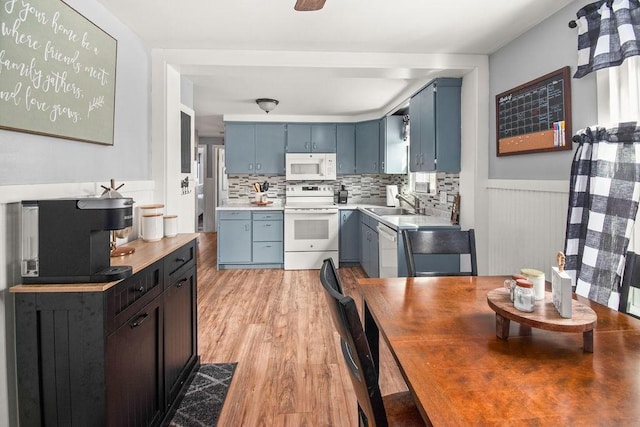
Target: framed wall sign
x,y
57,72
536,116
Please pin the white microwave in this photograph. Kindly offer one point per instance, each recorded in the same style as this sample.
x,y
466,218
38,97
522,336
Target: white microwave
x,y
310,166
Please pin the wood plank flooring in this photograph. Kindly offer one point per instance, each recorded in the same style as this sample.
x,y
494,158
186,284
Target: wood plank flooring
x,y
275,324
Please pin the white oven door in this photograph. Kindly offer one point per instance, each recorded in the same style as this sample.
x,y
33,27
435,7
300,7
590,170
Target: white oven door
x,y
311,230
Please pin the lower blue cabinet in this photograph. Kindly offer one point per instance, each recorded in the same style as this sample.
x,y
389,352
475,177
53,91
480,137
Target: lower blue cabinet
x,y
250,239
369,258
349,236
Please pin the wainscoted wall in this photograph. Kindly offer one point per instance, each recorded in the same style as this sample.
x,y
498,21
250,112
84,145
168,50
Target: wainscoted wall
x,y
362,188
526,227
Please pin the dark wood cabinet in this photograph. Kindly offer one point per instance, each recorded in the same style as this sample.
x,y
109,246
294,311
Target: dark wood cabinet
x,y
134,365
116,354
180,336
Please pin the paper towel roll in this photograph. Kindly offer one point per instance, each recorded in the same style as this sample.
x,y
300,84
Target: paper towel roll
x,y
392,192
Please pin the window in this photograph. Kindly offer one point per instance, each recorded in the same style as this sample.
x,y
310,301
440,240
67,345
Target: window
x,y
619,101
423,182
619,93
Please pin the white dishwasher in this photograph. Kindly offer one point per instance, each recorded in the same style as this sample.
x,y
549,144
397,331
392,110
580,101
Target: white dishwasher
x,y
387,251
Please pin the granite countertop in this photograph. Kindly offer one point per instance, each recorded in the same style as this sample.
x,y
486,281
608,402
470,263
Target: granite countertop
x,y
394,221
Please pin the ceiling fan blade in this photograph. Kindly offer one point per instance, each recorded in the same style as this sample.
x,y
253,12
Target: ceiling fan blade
x,y
309,5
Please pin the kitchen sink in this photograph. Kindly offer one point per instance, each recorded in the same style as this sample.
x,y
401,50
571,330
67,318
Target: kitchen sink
x,y
382,211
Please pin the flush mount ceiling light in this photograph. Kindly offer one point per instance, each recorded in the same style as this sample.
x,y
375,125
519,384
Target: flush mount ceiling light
x,y
267,104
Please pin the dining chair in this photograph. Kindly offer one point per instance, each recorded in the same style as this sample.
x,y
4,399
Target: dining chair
x,y
443,242
373,409
630,279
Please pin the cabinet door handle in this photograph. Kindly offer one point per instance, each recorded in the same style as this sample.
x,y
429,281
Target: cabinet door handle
x,y
139,320
183,260
250,166
258,166
315,146
246,228
139,290
181,283
267,225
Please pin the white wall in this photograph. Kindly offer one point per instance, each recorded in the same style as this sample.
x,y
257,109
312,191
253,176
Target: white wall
x,y
547,47
34,167
33,159
527,195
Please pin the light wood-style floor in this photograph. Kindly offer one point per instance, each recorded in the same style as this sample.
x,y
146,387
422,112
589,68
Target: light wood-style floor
x,y
275,325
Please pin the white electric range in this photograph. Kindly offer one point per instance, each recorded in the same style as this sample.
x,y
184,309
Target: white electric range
x,y
310,226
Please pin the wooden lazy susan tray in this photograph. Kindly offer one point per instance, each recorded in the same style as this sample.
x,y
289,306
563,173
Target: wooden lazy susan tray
x,y
544,316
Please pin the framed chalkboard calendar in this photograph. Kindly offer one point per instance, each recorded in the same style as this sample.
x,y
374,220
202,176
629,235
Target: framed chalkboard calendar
x,y
57,72
536,116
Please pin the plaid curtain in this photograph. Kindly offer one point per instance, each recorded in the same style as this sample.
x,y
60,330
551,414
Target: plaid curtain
x,y
608,32
603,202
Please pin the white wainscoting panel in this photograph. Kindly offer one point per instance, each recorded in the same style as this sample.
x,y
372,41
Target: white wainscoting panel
x,y
526,227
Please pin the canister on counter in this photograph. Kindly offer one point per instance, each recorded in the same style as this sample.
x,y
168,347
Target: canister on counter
x,y
537,278
524,296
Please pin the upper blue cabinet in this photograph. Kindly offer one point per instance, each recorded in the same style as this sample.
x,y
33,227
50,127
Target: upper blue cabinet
x,y
255,148
393,147
368,147
311,138
435,127
346,149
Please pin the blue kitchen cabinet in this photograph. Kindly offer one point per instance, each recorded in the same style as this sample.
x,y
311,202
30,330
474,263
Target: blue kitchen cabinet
x,y
250,239
436,127
271,139
346,148
369,258
268,237
240,143
393,148
368,147
349,236
311,138
255,148
234,237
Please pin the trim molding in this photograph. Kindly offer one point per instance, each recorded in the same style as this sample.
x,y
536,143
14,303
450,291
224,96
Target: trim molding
x,y
548,186
17,193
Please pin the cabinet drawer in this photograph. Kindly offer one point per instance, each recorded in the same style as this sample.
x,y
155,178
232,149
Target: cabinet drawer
x,y
131,294
261,216
268,252
267,231
234,214
183,256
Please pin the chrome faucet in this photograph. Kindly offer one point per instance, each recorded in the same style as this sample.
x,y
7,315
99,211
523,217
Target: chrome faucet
x,y
416,202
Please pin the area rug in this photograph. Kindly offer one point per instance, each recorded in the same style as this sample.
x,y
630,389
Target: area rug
x,y
205,396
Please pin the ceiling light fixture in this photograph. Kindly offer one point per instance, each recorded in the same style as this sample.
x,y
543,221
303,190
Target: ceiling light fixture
x,y
267,104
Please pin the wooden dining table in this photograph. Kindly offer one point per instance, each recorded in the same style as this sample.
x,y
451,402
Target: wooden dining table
x,y
442,334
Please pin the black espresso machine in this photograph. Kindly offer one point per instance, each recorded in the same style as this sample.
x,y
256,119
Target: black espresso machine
x,y
68,240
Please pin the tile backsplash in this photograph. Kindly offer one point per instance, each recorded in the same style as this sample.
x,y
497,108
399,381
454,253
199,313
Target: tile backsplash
x,y
362,188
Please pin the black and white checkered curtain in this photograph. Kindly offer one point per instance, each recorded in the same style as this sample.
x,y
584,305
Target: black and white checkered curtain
x,y
603,202
608,32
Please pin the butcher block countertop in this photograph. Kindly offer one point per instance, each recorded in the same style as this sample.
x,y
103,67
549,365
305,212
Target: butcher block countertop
x,y
146,253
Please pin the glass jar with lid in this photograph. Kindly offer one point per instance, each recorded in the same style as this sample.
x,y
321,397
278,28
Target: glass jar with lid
x,y
524,297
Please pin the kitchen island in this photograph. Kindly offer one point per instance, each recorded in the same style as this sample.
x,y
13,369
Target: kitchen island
x,y
110,354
